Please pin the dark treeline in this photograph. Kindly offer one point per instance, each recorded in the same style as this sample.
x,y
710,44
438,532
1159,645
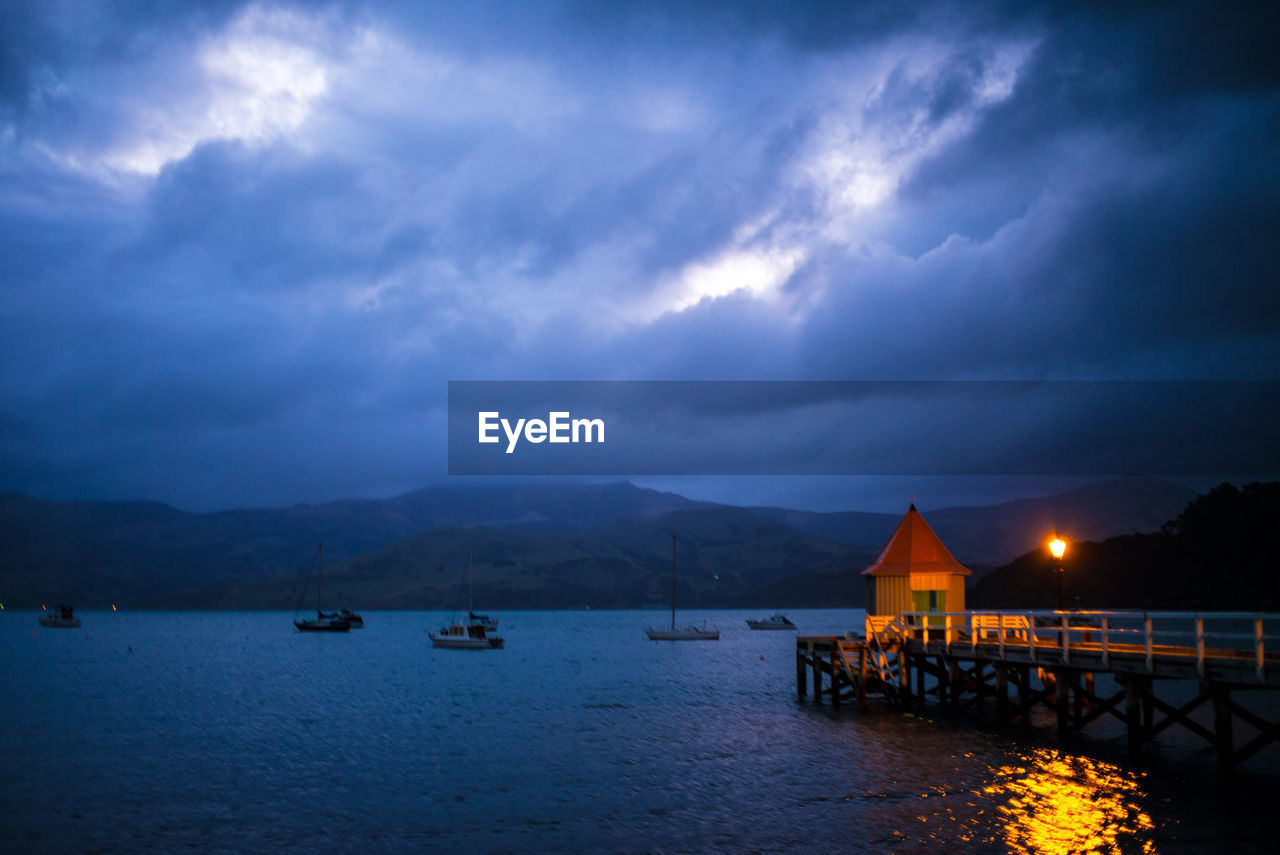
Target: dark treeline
x,y
1220,553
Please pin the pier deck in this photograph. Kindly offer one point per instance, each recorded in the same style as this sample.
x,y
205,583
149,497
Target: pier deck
x,y
1019,660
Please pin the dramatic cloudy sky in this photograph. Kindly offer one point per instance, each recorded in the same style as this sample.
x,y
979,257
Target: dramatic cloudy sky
x,y
244,246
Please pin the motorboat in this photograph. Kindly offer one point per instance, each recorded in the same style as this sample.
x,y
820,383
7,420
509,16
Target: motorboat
x,y
61,618
465,636
474,634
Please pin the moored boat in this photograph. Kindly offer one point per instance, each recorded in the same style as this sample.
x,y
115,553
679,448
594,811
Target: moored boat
x,y
460,636
351,617
322,622
672,633
474,634
62,618
778,621
688,633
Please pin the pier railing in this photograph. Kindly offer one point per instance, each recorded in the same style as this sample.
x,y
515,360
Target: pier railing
x,y
1020,661
1205,638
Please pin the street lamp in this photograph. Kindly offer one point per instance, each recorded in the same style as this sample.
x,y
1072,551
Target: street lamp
x,y
1058,547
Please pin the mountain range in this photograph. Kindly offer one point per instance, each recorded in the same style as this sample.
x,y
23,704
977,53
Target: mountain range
x,y
530,546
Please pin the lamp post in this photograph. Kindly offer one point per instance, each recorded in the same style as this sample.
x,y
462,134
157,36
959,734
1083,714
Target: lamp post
x,y
1058,547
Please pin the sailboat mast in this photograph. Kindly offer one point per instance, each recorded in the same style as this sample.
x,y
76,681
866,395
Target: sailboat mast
x,y
673,581
319,580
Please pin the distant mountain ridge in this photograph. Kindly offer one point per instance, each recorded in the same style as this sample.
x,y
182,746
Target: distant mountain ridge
x,y
725,558
133,552
996,534
148,553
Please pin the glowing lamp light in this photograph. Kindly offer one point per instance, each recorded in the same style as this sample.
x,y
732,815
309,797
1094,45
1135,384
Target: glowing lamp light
x,y
1058,548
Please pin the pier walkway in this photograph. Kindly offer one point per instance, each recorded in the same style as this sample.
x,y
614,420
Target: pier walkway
x,y
1009,662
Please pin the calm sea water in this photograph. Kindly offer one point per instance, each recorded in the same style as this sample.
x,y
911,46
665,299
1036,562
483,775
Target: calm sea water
x,y
232,732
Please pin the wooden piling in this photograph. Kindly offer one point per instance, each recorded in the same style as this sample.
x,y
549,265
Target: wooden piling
x,y
1002,693
1133,712
1222,731
1061,697
953,681
801,688
817,676
904,677
862,679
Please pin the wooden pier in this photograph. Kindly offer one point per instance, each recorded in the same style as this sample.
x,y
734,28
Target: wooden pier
x,y
1008,663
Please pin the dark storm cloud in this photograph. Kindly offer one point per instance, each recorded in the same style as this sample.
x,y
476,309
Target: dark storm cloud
x,y
270,219
808,24
24,43
260,238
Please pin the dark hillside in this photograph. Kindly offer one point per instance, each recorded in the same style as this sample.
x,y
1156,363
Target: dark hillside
x,y
1218,554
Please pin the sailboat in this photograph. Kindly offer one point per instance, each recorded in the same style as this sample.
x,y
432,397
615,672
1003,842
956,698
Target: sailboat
x,y
688,633
472,635
322,622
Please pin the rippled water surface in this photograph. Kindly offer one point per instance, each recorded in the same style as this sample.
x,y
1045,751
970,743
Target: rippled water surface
x,y
232,732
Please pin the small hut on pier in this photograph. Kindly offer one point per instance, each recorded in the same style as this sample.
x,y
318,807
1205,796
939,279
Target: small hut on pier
x,y
915,572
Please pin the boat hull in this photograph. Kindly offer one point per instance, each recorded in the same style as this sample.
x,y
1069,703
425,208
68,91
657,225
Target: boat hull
x,y
60,623
691,634
761,624
445,642
322,625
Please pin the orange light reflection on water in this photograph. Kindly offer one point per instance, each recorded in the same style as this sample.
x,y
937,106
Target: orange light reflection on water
x,y
1063,805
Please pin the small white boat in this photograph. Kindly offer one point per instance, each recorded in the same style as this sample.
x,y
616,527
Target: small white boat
x,y
63,618
460,636
672,633
778,621
472,635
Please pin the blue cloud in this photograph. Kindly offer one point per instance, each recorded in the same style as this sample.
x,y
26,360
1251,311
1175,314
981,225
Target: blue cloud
x,y
260,238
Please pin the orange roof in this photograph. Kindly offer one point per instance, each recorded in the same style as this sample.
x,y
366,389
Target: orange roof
x,y
914,548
